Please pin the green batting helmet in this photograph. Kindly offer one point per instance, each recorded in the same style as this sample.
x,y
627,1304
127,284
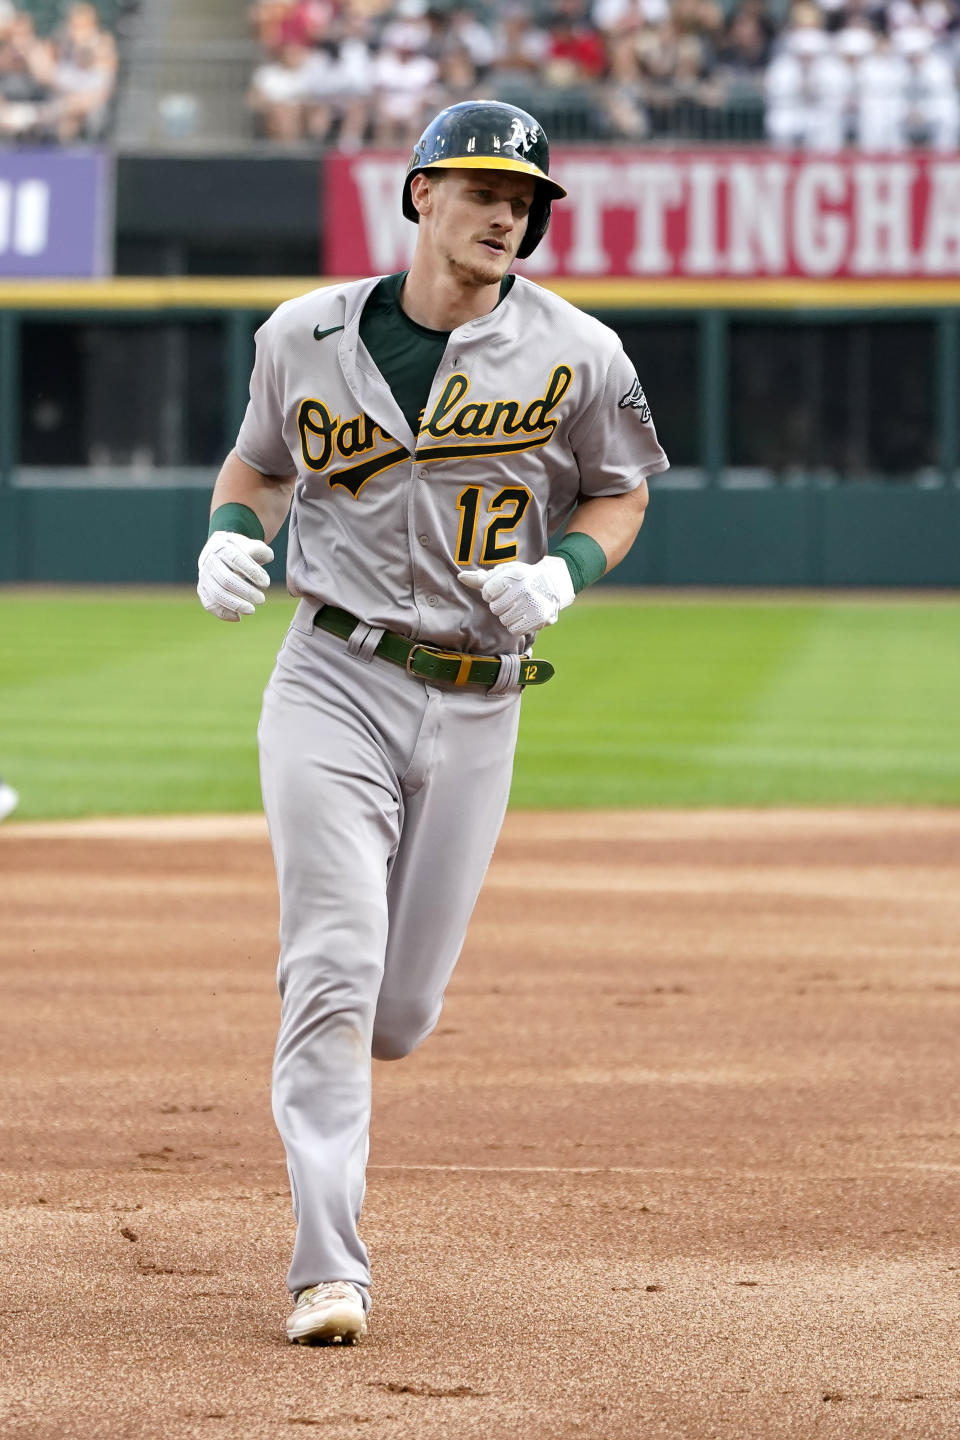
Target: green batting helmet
x,y
488,135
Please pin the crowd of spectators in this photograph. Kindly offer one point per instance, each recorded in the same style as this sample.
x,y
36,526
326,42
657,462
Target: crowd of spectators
x,y
876,73
814,74
881,79
55,87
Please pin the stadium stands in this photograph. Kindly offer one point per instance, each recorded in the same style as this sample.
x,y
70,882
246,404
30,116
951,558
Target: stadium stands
x,y
58,69
879,74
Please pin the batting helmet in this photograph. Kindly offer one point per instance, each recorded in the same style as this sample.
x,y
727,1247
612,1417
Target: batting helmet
x,y
488,135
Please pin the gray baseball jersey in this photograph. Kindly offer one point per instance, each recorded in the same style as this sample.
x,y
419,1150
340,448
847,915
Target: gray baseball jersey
x,y
534,407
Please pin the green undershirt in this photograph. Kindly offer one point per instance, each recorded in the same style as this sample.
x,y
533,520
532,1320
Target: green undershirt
x,y
406,354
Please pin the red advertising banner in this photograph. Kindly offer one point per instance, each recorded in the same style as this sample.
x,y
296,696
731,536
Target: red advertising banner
x,y
692,213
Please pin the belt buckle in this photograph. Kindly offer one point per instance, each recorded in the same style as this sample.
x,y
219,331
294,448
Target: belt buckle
x,y
410,654
464,661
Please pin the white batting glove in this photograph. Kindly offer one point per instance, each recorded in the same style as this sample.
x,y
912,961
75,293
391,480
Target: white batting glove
x,y
525,598
232,578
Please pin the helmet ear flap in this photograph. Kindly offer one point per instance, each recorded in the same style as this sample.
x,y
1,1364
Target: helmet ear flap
x,y
409,209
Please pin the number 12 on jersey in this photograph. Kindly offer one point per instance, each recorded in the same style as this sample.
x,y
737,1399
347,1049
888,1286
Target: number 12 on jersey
x,y
507,506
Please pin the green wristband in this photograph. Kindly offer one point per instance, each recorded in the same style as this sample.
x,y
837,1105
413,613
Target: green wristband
x,y
238,518
586,560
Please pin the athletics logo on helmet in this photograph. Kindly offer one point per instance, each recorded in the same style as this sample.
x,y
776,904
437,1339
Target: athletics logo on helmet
x,y
488,135
522,137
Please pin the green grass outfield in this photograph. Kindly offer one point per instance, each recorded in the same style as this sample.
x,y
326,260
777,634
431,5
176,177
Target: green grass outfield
x,y
122,702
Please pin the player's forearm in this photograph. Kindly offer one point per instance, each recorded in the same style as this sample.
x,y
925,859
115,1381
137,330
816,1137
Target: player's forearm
x,y
613,521
268,496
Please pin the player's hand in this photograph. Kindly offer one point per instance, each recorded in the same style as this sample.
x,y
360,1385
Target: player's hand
x,y
232,579
524,598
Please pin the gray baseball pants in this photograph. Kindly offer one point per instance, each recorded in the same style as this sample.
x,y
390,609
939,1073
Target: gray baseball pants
x,y
384,797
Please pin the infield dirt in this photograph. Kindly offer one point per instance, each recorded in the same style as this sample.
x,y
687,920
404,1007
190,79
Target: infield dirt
x,y
682,1158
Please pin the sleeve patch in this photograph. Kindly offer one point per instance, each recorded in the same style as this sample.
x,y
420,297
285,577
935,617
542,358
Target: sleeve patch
x,y
636,400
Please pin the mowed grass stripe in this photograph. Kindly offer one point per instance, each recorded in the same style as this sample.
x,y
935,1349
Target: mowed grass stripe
x,y
129,703
868,701
745,703
125,703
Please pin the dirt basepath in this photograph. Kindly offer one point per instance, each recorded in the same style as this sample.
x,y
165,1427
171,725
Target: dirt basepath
x,y
682,1159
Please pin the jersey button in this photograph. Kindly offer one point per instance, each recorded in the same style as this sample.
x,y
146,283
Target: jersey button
x,y
433,600
423,474
455,361
424,539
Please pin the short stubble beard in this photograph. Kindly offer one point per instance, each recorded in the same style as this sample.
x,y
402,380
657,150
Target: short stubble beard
x,y
475,273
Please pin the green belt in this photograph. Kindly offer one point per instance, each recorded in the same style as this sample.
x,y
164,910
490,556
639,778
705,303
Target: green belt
x,y
432,664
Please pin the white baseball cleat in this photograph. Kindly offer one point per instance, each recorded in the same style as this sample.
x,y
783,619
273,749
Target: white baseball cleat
x,y
327,1314
9,800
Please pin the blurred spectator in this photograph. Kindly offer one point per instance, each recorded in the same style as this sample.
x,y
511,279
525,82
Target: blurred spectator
x,y
808,89
353,81
613,16
881,100
622,94
280,91
575,53
933,110
935,16
405,86
466,34
84,75
321,88
703,18
418,33
266,19
57,87
520,48
26,65
743,50
675,65
279,23
458,77
854,43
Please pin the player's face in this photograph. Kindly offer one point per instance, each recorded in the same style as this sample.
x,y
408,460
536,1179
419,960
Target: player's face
x,y
475,220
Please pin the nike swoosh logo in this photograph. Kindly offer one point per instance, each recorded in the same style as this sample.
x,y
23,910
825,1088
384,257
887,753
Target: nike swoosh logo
x,y
319,334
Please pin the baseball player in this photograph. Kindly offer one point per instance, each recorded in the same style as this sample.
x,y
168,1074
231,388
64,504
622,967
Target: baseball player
x,y
428,432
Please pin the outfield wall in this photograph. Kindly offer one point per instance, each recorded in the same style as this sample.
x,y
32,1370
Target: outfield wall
x,y
813,427
870,535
